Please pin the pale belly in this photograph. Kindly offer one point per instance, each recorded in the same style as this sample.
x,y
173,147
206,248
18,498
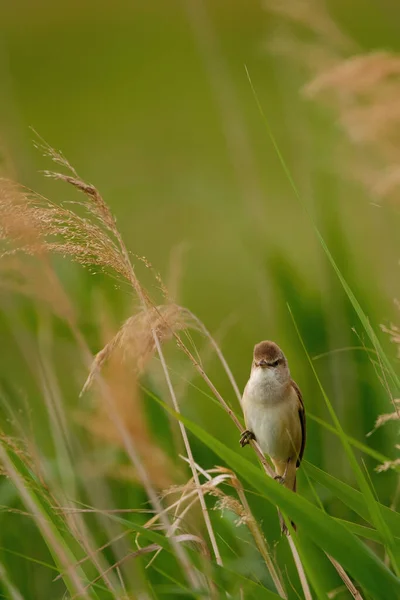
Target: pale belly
x,y
277,428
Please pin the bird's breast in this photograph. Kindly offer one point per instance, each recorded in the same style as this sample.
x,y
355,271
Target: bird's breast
x,y
272,415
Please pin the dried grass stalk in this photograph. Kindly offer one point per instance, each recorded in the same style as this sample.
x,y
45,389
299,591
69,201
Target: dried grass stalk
x,y
385,418
389,464
214,479
34,225
93,239
394,332
361,90
135,339
128,402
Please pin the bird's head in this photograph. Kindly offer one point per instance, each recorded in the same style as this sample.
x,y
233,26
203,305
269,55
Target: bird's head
x,y
268,357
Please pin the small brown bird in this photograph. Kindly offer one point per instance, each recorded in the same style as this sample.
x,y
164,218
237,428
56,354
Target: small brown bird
x,y
274,413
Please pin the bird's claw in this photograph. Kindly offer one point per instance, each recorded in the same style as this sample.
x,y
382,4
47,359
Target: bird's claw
x,y
280,479
246,437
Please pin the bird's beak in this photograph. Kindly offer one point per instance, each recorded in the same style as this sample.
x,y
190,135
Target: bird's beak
x,y
262,363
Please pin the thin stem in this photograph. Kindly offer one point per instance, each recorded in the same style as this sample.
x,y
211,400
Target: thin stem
x,y
250,522
139,467
147,550
43,524
345,578
300,569
225,406
12,590
89,557
268,470
146,303
260,541
219,354
175,403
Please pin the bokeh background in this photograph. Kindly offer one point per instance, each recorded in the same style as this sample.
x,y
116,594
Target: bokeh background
x,y
151,102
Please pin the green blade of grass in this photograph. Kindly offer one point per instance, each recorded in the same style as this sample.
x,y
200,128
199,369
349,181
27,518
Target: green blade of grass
x,y
362,482
250,587
378,456
29,558
224,571
326,533
365,532
348,495
360,313
226,576
370,501
183,588
157,538
352,441
44,564
60,550
356,305
314,575
351,497
12,590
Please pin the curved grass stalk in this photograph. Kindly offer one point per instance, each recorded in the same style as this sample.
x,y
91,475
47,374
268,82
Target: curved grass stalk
x,y
206,516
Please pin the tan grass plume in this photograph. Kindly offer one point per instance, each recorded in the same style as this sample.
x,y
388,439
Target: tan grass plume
x,y
135,338
361,89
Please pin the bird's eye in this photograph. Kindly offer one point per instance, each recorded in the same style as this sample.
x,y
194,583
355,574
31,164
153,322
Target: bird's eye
x,y
275,363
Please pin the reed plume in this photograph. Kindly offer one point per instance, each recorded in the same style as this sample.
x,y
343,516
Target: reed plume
x,y
360,89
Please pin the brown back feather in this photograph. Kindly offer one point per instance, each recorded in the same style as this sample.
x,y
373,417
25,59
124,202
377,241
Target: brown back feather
x,y
302,417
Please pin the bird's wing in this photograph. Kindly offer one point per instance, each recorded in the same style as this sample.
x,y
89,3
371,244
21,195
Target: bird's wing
x,y
302,417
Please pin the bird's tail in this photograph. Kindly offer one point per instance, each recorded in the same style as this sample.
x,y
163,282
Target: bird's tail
x,y
290,483
284,528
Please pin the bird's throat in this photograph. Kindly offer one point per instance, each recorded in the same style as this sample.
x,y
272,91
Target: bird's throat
x,y
264,386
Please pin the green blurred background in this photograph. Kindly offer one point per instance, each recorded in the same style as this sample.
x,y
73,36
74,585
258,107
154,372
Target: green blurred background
x,y
151,103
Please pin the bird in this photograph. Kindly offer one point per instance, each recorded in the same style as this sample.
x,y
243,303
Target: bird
x,y
274,414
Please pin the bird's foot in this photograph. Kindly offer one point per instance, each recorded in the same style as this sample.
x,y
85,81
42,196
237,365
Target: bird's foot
x,y
280,479
284,527
246,437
